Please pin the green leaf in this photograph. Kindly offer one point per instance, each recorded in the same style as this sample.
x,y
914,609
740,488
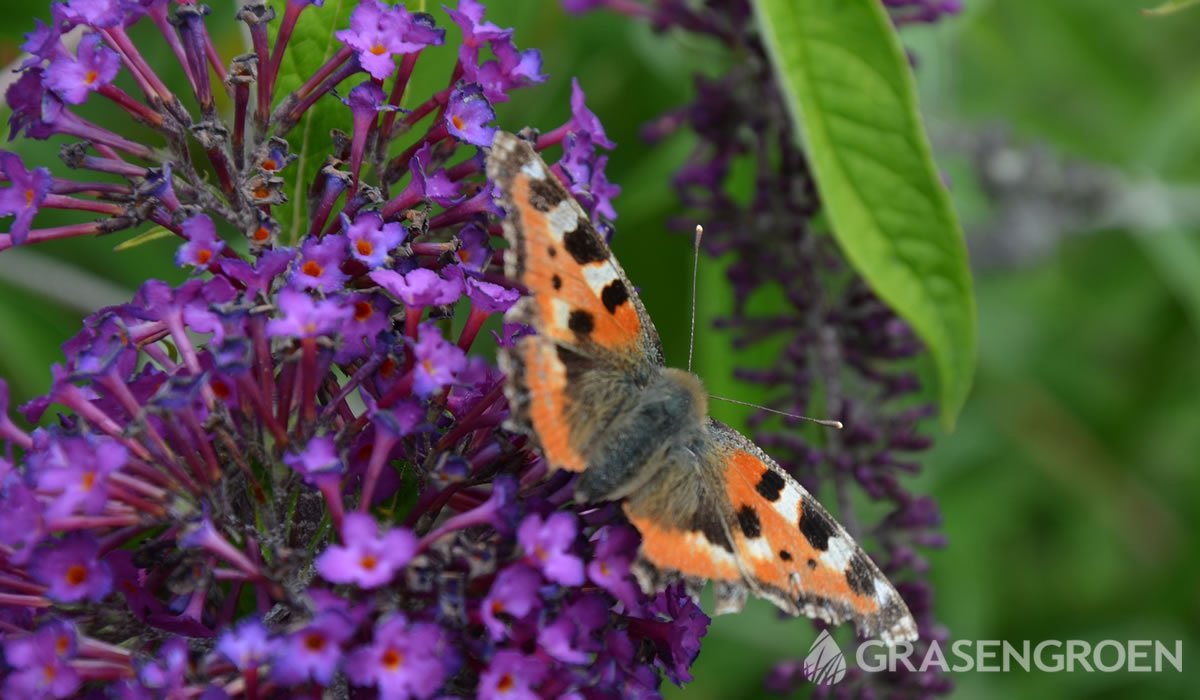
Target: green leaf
x,y
1169,7
311,45
848,87
142,238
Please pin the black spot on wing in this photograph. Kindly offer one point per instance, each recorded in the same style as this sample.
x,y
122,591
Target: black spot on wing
x,y
709,525
785,555
748,521
614,295
556,281
812,563
551,251
584,245
543,195
816,527
859,575
581,322
770,485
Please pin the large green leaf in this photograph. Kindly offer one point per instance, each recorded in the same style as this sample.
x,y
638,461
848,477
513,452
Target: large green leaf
x,y
311,45
849,89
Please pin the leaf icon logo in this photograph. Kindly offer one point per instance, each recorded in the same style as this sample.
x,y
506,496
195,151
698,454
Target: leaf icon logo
x,y
824,664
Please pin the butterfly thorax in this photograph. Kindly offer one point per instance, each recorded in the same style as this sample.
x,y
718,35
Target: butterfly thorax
x,y
664,422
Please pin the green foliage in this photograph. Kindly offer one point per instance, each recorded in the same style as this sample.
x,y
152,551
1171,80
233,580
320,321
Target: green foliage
x,y
312,44
1170,7
851,93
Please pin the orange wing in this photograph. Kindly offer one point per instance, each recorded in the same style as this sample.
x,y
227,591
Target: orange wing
x,y
580,302
774,541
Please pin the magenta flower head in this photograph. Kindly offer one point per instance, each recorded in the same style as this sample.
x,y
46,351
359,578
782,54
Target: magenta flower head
x,y
93,67
203,245
24,195
371,239
289,474
468,116
366,558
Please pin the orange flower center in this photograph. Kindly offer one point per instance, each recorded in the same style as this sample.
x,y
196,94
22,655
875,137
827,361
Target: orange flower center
x,y
262,234
270,164
363,310
89,480
220,389
312,269
90,77
363,247
379,49
314,641
392,659
506,683
29,194
458,122
368,562
204,256
76,574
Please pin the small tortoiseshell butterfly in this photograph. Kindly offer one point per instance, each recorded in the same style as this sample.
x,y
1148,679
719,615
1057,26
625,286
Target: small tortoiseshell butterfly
x,y
590,387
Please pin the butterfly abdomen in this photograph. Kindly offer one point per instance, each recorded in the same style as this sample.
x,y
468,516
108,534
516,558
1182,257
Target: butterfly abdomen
x,y
667,414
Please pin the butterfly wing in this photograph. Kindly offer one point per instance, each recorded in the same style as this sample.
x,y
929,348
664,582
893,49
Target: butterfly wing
x,y
754,529
595,343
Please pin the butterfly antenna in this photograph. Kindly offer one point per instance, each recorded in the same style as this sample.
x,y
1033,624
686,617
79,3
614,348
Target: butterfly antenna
x,y
695,275
827,423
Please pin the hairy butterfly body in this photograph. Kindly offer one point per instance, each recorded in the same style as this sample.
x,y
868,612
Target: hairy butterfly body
x,y
591,389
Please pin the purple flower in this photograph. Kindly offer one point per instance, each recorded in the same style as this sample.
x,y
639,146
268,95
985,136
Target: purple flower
x,y
24,195
371,239
438,186
39,663
404,659
305,317
94,66
584,121
370,318
97,14
490,297
438,362
548,542
320,264
469,18
203,245
611,565
77,473
574,633
318,458
312,652
420,287
246,646
511,676
468,115
378,32
365,558
71,569
22,520
514,595
512,68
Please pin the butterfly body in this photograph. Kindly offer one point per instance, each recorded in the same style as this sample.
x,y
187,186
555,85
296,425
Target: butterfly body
x,y
592,390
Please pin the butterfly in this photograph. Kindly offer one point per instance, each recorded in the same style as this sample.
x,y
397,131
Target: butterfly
x,y
592,391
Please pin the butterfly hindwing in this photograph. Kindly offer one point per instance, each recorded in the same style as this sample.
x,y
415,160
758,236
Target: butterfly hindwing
x,y
754,529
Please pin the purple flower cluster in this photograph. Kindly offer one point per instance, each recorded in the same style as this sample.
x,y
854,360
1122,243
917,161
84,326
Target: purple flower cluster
x,y
287,476
841,344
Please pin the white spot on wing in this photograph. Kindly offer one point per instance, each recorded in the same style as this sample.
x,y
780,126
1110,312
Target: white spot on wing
x,y
758,548
563,219
840,551
883,591
599,275
562,313
534,169
788,504
719,555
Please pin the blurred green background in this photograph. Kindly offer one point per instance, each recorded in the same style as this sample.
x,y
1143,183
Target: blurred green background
x,y
1070,134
